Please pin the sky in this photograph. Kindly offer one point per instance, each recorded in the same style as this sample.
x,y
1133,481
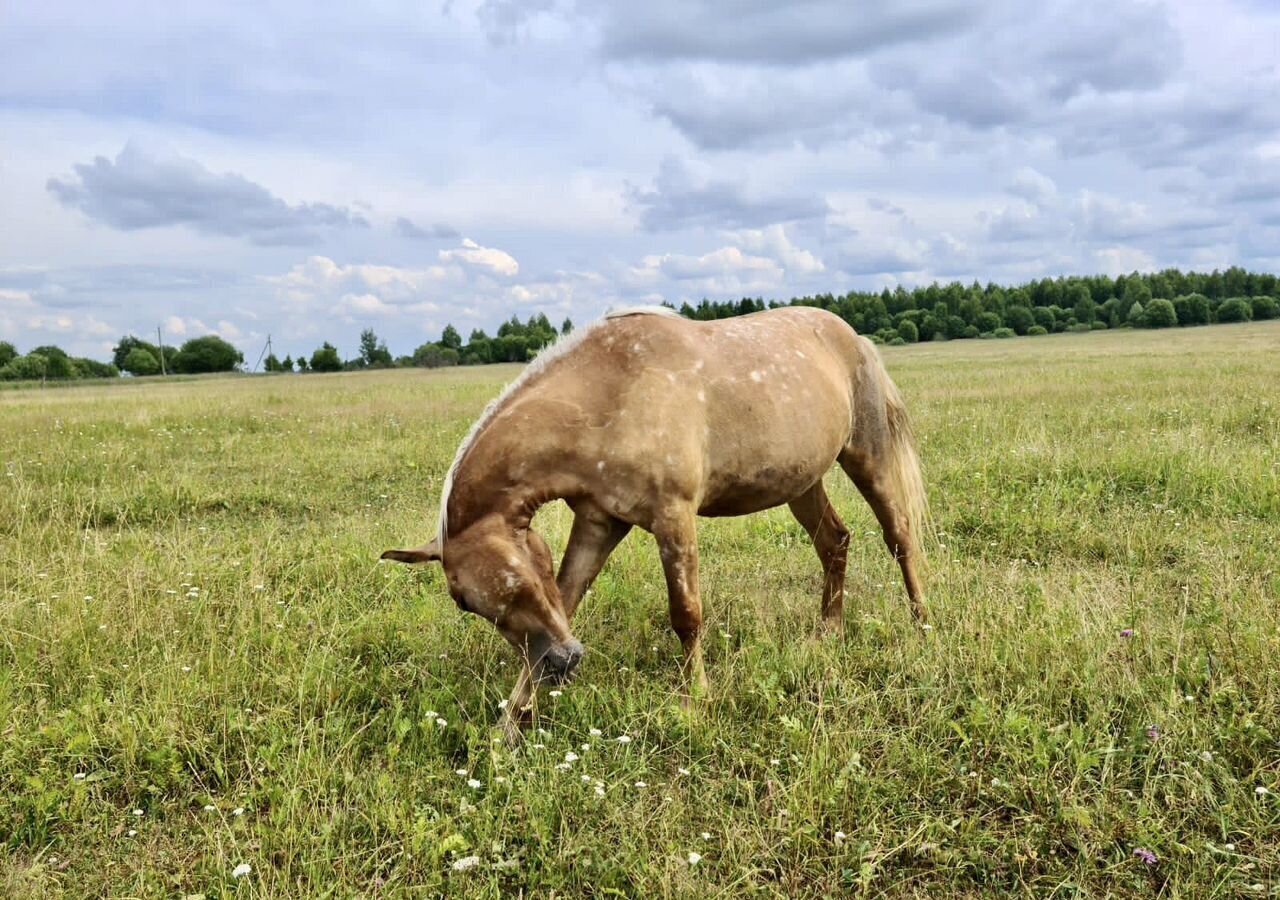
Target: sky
x,y
308,170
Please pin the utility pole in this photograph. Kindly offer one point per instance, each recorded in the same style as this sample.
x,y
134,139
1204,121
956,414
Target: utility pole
x,y
160,346
266,351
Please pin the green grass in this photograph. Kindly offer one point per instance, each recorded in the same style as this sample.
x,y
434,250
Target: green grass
x,y
1081,485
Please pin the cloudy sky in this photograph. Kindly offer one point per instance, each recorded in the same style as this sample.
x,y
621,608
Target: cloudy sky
x,y
283,168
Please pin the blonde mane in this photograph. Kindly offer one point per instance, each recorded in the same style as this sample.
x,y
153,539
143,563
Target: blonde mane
x,y
545,358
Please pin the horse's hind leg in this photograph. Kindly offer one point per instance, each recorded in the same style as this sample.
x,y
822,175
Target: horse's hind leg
x,y
831,539
876,489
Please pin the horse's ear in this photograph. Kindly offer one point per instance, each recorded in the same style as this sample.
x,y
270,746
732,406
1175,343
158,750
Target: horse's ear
x,y
428,552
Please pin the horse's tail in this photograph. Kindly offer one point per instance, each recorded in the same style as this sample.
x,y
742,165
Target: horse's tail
x,y
903,464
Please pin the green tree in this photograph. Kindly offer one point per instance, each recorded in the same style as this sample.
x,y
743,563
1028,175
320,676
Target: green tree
x,y
302,364
908,331
373,353
287,365
59,365
129,342
271,364
1160,314
1135,315
326,359
567,325
1081,301
8,353
207,354
433,356
1192,309
31,367
141,361
450,338
1019,318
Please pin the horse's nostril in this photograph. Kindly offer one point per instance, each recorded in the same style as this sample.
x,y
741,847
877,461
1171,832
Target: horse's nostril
x,y
573,654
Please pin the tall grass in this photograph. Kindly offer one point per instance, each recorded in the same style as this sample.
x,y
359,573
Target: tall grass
x,y
202,665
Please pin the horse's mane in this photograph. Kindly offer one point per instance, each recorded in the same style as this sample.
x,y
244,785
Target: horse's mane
x,y
540,363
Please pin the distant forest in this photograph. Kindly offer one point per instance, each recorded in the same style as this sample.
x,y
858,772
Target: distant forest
x,y
954,311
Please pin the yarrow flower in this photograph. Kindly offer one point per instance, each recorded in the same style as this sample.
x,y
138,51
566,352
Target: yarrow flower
x,y
624,739
467,862
556,693
1261,791
695,858
595,732
570,757
1146,856
241,870
840,838
473,784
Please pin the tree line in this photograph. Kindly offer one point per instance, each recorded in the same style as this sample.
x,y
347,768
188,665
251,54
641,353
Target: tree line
x,y
954,311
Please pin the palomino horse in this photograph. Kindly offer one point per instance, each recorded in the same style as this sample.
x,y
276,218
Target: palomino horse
x,y
645,418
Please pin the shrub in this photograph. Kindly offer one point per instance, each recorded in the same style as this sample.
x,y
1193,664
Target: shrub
x,y
1265,307
1003,333
1237,309
1079,328
1044,317
1159,314
970,331
140,361
1135,314
908,331
897,342
1097,325
1037,330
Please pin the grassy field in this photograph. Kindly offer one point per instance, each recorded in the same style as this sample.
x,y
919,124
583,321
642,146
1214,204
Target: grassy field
x,y
202,665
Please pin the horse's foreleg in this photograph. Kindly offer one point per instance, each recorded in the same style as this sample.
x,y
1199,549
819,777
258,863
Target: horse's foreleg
x,y
831,540
594,536
678,546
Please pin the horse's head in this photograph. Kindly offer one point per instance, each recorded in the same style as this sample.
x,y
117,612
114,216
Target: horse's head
x,y
506,577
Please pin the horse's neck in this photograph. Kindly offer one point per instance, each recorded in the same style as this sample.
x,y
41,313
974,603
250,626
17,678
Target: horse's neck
x,y
481,490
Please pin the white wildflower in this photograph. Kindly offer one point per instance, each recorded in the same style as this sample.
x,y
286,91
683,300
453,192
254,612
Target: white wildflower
x,y
473,784
137,812
556,693
441,722
683,771
642,784
1261,791
467,862
695,858
595,732
238,811
840,838
706,835
209,807
459,771
79,776
624,739
240,871
570,757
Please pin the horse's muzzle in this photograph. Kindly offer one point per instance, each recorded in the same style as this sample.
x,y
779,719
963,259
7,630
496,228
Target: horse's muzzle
x,y
560,660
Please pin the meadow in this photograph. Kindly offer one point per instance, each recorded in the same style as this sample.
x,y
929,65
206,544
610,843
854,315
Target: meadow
x,y
204,668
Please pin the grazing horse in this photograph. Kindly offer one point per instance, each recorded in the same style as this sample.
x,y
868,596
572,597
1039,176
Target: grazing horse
x,y
648,419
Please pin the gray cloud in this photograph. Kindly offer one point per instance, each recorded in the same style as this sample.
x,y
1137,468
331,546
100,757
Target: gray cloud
x,y
439,231
771,33
137,191
676,201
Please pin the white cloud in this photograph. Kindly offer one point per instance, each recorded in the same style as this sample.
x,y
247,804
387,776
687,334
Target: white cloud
x,y
489,259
